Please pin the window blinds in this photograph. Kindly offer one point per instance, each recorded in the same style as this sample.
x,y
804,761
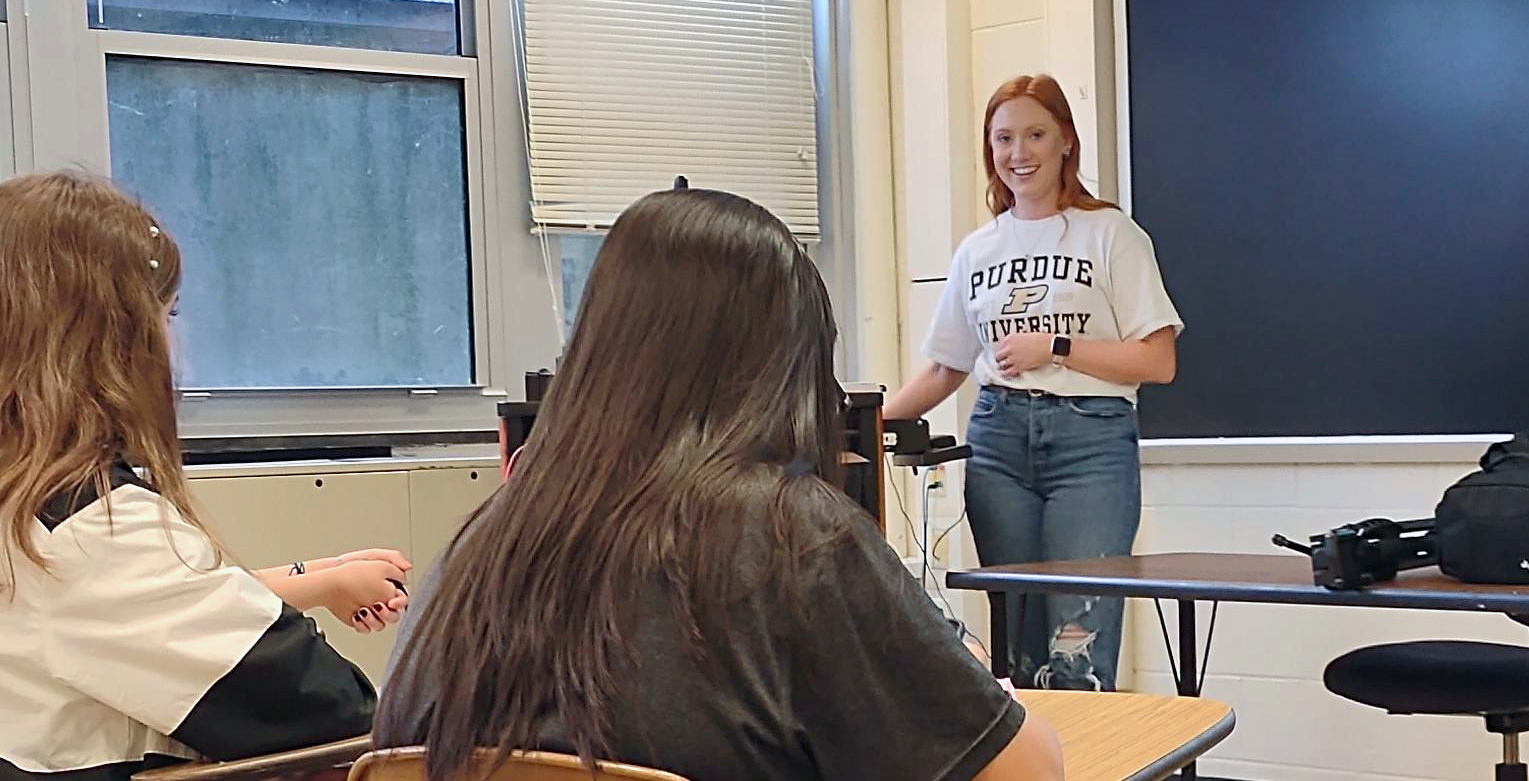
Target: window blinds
x,y
624,95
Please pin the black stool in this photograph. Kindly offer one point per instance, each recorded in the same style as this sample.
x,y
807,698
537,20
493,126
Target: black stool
x,y
1445,678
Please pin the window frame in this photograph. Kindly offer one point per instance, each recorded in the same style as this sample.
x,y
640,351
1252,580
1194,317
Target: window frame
x,y
836,255
352,61
515,292
7,133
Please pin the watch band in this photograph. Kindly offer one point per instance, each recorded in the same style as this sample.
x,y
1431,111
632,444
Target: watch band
x,y
1061,347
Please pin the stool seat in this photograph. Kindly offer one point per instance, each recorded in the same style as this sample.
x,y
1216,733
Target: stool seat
x,y
1434,676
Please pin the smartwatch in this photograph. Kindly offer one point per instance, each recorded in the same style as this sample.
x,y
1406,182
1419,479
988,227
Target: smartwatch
x,y
1061,347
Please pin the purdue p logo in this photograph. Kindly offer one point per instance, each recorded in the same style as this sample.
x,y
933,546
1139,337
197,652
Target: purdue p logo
x,y
1020,299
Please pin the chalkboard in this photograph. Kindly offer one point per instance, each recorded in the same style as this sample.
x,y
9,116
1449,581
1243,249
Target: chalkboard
x,y
1338,192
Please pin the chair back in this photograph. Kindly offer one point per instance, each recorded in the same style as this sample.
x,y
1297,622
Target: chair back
x,y
408,764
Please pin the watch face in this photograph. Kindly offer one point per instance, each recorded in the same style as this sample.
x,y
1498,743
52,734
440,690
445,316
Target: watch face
x,y
1061,345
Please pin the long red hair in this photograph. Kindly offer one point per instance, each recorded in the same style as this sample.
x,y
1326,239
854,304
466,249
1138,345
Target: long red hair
x,y
1049,94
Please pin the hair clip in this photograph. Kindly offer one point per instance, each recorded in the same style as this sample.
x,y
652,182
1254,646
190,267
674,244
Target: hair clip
x,y
153,263
154,231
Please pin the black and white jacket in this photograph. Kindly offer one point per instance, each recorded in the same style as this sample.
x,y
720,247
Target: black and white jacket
x,y
134,649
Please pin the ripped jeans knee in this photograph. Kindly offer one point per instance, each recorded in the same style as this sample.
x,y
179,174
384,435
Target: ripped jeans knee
x,y
1070,659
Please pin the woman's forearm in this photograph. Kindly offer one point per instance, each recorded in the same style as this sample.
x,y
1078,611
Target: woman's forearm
x,y
932,385
1152,359
303,592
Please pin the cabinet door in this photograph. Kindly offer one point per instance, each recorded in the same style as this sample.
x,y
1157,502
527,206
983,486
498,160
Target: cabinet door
x,y
273,520
439,502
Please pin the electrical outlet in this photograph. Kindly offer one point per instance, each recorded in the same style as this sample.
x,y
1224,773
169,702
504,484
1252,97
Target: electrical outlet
x,y
937,481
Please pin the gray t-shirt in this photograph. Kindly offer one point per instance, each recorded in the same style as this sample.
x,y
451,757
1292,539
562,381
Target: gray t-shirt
x,y
872,684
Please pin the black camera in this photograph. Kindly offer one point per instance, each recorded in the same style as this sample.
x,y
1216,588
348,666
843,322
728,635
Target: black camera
x,y
1359,555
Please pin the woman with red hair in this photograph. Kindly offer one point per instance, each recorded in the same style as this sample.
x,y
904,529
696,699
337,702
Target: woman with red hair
x,y
1058,309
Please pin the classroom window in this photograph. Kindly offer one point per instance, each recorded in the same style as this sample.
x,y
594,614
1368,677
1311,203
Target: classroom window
x,y
623,97
620,98
349,178
427,26
322,215
576,254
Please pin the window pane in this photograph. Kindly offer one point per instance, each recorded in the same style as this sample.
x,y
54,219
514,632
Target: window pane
x,y
578,251
322,216
428,26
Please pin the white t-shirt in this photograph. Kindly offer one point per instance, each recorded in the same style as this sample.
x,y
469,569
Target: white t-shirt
x,y
1082,274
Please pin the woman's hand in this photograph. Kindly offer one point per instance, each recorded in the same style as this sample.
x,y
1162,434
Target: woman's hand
x,y
363,588
1019,353
377,617
365,593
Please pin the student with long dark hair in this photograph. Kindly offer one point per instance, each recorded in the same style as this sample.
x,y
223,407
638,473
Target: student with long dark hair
x,y
670,577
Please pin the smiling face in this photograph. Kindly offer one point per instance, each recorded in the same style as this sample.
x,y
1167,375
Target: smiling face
x,y
1028,148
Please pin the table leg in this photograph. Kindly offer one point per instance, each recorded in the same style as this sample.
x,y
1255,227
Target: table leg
x,y
998,625
1188,675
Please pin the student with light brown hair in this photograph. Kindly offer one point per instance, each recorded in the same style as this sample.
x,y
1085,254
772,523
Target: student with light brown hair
x,y
127,640
671,576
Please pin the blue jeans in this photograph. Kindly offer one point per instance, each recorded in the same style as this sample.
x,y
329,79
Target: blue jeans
x,y
1052,478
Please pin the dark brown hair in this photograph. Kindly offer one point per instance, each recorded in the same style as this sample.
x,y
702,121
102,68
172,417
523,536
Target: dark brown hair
x,y
86,279
697,400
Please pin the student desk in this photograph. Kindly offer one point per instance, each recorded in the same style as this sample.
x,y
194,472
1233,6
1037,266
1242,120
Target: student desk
x,y
1217,577
1129,737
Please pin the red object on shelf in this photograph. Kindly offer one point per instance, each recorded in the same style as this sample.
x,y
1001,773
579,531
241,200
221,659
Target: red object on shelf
x,y
506,457
509,463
